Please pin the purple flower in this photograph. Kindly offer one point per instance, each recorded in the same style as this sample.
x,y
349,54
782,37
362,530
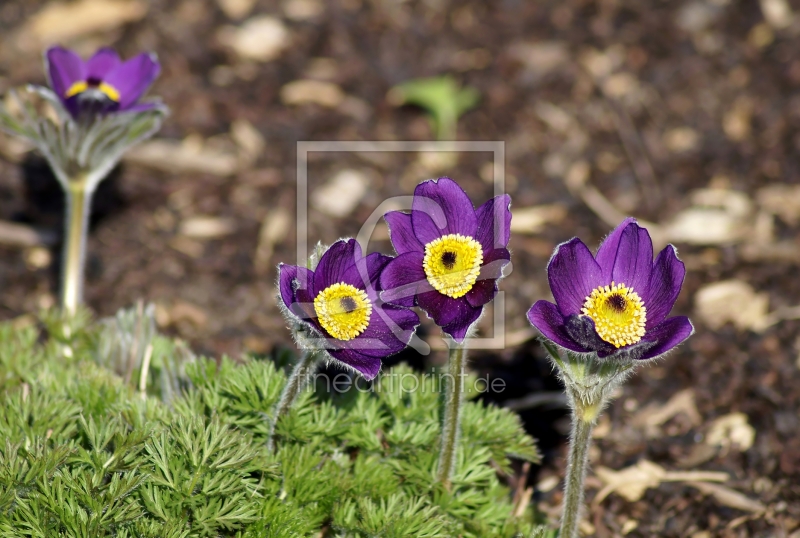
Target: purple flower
x,y
102,84
339,301
615,304
449,255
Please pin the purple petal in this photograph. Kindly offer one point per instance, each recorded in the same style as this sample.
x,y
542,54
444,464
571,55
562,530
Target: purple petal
x,y
334,262
401,232
482,292
441,207
444,310
485,288
403,279
132,78
494,223
365,365
607,253
103,62
634,261
581,330
389,331
295,284
459,328
365,273
667,335
64,68
546,318
664,286
573,274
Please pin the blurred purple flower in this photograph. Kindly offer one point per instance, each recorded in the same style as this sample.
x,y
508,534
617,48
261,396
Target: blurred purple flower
x,y
615,304
102,84
449,255
339,300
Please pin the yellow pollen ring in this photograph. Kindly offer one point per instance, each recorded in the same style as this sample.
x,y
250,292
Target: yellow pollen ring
x,y
81,86
618,313
343,310
452,264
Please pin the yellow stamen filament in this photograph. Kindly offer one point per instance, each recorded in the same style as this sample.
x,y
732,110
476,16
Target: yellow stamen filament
x,y
81,86
343,310
618,312
452,264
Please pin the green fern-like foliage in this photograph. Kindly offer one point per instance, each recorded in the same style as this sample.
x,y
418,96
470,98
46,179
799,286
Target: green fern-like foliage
x,y
87,453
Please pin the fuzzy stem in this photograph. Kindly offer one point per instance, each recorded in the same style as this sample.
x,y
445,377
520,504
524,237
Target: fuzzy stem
x,y
583,420
452,412
294,385
76,228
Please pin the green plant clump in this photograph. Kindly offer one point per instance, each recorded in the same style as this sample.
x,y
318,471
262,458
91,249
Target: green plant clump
x,y
86,453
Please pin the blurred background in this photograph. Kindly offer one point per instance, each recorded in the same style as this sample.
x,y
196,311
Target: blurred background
x,y
684,114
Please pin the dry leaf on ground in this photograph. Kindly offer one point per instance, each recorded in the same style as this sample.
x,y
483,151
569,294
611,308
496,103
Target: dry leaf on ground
x,y
302,92
731,430
530,220
190,156
732,301
341,194
632,482
60,21
260,38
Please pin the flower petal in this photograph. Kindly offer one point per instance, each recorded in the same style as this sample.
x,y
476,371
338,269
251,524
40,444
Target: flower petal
x,y
102,63
494,223
667,335
64,68
485,288
447,311
401,232
547,319
365,365
634,261
365,273
295,283
607,253
573,274
403,279
441,207
665,285
390,325
459,328
582,330
334,262
132,78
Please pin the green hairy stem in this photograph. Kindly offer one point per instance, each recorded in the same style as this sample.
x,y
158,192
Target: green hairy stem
x,y
452,412
297,381
583,420
78,198
589,383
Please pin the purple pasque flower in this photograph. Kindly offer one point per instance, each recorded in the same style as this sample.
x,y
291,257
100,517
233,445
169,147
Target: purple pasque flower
x,y
614,304
339,300
449,254
102,84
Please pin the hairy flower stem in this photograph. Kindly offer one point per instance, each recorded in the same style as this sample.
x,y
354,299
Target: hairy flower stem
x,y
589,382
454,399
294,385
583,420
78,198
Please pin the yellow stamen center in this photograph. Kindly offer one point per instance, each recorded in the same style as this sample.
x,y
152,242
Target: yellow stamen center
x,y
618,312
81,86
452,264
343,310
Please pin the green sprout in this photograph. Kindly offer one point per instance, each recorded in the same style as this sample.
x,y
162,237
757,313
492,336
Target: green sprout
x,y
442,97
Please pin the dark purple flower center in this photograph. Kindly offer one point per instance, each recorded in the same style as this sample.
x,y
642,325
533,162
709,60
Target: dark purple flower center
x,y
617,302
348,304
449,259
